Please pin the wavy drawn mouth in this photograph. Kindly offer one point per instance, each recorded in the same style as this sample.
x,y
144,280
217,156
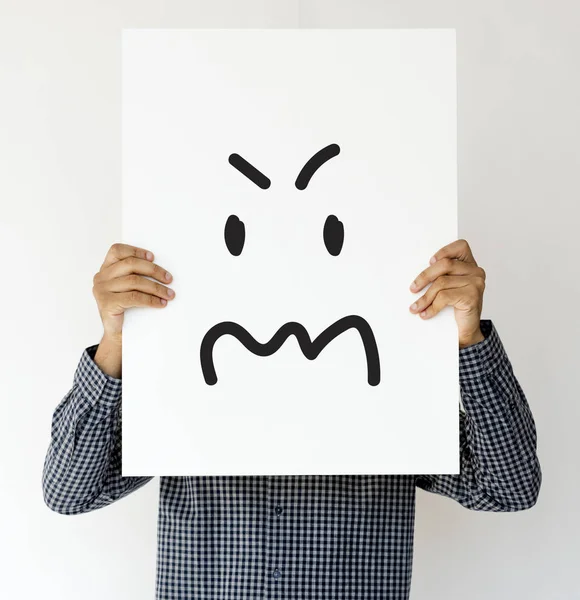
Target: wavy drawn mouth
x,y
310,349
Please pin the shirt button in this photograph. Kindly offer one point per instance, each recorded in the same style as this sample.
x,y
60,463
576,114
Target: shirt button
x,y
277,574
278,510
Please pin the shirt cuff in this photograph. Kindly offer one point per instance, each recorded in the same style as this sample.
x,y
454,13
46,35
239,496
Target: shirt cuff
x,y
483,358
95,385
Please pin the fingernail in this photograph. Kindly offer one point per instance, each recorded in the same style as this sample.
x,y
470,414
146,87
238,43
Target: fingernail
x,y
432,260
170,292
168,276
163,301
414,306
149,255
424,313
413,286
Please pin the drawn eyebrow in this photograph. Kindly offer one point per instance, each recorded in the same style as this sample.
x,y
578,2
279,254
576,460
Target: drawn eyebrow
x,y
315,163
245,168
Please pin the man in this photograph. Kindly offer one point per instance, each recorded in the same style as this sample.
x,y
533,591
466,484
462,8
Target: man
x,y
293,537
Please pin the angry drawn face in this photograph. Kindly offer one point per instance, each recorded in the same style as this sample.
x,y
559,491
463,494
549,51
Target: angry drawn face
x,y
333,238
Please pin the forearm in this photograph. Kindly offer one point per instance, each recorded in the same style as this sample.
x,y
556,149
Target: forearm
x,y
82,469
500,470
500,439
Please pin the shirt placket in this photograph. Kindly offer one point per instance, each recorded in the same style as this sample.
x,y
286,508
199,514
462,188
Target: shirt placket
x,y
274,563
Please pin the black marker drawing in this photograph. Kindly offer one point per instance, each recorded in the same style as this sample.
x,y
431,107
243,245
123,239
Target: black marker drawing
x,y
333,233
310,349
235,235
245,168
333,236
315,163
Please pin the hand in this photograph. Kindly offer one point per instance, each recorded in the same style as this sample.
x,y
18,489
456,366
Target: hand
x,y
456,280
122,283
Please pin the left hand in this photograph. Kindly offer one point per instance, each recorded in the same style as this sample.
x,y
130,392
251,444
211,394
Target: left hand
x,y
456,280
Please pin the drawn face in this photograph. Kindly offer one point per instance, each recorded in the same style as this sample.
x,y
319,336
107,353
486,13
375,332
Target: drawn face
x,y
333,237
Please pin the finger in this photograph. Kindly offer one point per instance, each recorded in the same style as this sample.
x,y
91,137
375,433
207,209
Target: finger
x,y
459,250
441,283
119,252
134,299
139,266
445,266
140,284
465,298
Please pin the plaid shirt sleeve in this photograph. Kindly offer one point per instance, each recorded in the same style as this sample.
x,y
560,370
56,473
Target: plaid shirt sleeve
x,y
82,469
499,468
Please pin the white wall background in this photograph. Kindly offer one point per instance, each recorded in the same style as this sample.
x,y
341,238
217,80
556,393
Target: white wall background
x,y
519,184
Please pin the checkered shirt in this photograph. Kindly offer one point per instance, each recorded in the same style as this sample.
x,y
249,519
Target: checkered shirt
x,y
322,537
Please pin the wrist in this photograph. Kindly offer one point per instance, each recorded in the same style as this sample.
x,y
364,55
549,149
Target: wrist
x,y
471,338
109,355
112,338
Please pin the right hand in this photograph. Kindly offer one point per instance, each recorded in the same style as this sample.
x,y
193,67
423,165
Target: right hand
x,y
122,282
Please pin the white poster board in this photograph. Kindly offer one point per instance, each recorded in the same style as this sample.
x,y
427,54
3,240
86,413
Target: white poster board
x,y
337,151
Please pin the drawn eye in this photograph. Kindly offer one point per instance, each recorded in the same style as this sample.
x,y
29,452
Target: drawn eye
x,y
235,235
333,235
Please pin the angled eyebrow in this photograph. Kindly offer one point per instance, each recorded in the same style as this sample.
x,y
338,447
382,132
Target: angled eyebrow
x,y
315,163
245,168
